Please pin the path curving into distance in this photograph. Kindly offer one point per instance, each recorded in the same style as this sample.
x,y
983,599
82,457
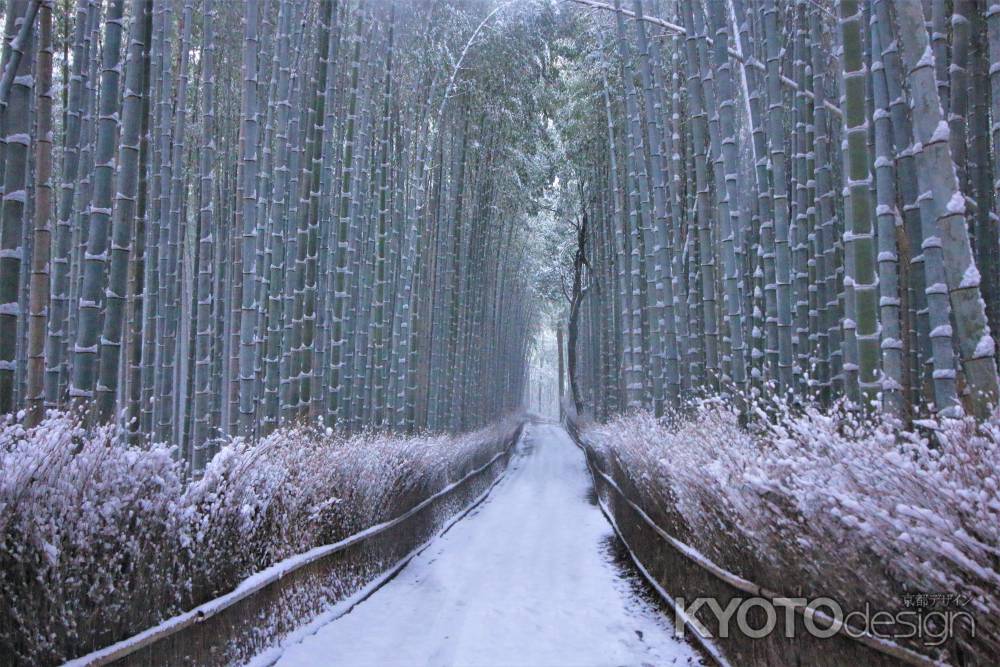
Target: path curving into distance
x,y
527,578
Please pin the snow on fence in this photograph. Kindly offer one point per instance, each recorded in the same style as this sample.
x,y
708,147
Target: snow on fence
x,y
704,509
249,527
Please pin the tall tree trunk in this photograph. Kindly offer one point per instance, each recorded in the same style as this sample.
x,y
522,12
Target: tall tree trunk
x,y
124,217
39,299
934,160
15,175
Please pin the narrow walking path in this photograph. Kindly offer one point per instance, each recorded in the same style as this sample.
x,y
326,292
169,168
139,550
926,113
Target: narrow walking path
x,y
525,579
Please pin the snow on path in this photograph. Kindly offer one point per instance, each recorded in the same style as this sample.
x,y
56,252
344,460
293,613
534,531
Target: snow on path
x,y
525,579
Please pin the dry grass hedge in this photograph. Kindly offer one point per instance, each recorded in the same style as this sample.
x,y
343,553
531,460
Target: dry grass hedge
x,y
826,504
100,540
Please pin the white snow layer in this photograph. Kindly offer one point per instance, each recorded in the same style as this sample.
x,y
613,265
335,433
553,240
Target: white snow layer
x,y
941,133
525,579
984,348
971,276
956,205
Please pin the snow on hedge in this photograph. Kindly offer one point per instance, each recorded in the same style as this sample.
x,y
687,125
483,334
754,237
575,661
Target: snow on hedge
x,y
827,504
100,540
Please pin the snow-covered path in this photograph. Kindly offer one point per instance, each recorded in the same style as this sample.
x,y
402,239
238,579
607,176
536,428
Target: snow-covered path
x,y
525,579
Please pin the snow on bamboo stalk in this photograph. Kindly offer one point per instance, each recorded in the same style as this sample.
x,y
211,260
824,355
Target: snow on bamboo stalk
x,y
277,221
764,309
958,81
124,218
663,275
248,207
173,176
893,399
644,335
378,335
15,175
131,393
716,373
161,397
703,207
174,421
19,47
766,303
729,214
39,290
360,248
265,193
937,23
857,204
290,332
298,245
941,189
913,213
672,143
991,273
782,250
631,378
84,193
986,232
993,33
95,264
204,320
151,223
340,295
802,223
313,333
830,314
56,359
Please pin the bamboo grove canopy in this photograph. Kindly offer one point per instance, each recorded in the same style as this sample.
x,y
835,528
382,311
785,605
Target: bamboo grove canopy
x,y
792,199
219,217
223,216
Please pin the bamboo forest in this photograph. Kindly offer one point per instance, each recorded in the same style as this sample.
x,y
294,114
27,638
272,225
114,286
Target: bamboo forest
x,y
500,332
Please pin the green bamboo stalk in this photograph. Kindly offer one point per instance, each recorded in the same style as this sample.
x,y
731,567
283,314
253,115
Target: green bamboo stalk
x,y
947,205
